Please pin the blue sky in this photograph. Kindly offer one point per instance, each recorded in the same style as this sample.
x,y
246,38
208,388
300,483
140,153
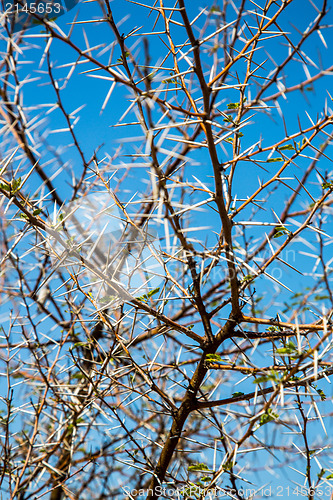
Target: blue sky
x,y
95,129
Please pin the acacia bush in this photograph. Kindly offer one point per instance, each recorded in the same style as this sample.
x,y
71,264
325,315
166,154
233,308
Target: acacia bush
x,y
166,273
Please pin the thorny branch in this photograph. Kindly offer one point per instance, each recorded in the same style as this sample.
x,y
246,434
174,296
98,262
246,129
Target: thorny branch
x,y
165,279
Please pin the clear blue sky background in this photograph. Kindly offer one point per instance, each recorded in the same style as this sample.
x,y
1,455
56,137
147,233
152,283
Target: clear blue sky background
x,y
95,129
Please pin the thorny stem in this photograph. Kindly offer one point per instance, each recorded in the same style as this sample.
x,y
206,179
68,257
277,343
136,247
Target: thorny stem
x,y
138,389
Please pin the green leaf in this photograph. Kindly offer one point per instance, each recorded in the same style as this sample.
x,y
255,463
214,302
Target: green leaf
x,y
146,296
288,349
288,147
273,160
36,22
15,185
37,211
107,298
268,417
236,394
284,350
235,105
81,344
228,465
213,357
273,375
273,329
280,231
320,392
248,277
321,297
175,80
153,292
120,59
301,143
197,467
